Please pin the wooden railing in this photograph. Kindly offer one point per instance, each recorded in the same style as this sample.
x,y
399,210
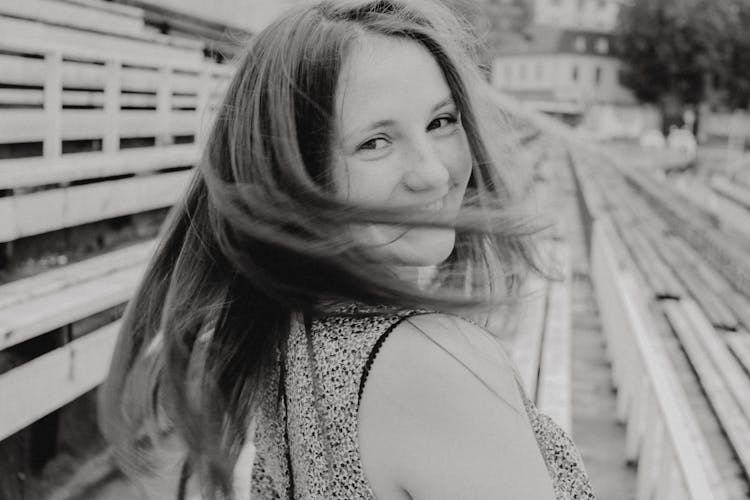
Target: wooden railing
x,y
64,87
99,118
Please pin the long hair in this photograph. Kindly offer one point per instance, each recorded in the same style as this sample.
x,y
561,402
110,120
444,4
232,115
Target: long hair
x,y
258,235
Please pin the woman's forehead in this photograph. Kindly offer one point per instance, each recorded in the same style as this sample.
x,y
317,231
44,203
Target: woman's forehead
x,y
382,75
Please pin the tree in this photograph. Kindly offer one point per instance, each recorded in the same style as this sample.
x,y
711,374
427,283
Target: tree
x,y
678,53
738,81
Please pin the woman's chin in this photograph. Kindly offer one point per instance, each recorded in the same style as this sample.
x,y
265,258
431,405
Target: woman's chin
x,y
424,246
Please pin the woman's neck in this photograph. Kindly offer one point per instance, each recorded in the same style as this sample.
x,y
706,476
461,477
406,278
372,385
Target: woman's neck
x,y
421,276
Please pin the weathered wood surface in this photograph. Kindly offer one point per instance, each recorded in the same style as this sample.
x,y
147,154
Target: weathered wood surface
x,y
54,209
29,172
661,426
52,380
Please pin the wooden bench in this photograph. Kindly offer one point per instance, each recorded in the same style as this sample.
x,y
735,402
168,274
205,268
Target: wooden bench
x,y
53,300
731,190
731,216
68,85
663,435
554,394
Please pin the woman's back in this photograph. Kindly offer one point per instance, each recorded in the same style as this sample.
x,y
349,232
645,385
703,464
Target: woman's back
x,y
438,414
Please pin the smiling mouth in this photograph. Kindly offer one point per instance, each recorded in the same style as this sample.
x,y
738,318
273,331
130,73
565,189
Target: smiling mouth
x,y
434,207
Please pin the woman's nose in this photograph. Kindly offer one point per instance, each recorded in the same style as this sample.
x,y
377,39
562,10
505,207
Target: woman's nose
x,y
426,169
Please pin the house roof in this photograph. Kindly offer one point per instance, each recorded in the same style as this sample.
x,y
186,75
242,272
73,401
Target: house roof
x,y
542,39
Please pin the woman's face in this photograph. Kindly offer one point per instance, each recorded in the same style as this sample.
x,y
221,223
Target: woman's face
x,y
400,143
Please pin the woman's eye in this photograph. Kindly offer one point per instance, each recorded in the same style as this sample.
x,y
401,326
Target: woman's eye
x,y
442,122
374,144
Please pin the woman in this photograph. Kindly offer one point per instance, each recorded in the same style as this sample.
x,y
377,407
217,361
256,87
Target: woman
x,y
353,151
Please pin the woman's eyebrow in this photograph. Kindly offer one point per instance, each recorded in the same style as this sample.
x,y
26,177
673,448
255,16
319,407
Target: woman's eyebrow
x,y
443,102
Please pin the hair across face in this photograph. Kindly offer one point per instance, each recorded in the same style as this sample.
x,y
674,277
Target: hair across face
x,y
399,143
352,138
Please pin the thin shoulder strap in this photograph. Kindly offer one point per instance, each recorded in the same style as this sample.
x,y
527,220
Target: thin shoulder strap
x,y
475,361
378,344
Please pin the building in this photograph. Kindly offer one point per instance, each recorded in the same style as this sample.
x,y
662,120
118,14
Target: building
x,y
593,15
561,71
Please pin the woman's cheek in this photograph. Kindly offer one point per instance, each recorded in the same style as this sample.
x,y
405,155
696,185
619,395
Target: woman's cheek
x,y
457,156
373,182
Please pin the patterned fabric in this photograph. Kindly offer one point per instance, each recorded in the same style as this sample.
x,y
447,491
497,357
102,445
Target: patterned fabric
x,y
306,435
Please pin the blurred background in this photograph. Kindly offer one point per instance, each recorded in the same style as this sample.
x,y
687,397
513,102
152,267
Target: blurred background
x,y
632,122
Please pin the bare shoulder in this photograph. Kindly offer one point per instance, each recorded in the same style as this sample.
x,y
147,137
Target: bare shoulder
x,y
442,417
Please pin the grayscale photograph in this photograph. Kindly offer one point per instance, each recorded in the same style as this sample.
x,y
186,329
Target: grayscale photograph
x,y
375,249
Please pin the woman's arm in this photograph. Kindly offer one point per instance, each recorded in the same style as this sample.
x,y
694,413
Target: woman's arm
x,y
442,417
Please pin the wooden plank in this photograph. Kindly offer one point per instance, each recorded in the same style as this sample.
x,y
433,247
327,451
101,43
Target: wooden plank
x,y
725,296
732,217
22,97
139,123
697,228
83,98
78,124
22,125
735,192
714,345
18,70
163,105
111,101
704,284
84,75
203,104
138,100
184,102
739,343
186,83
616,291
140,79
30,125
54,280
555,372
730,414
26,172
183,122
44,313
662,280
75,16
52,380
52,105
621,351
54,209
150,50
648,465
639,418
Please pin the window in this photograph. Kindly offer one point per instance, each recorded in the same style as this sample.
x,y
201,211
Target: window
x,y
522,72
539,70
574,73
580,43
598,75
508,73
602,45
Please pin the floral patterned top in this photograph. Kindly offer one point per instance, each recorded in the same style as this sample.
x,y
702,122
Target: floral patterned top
x,y
306,434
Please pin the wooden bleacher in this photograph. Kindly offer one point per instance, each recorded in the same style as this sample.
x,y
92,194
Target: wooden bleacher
x,y
64,86
101,117
659,295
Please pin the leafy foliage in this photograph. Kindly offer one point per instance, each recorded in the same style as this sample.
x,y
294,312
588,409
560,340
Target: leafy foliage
x,y
687,52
